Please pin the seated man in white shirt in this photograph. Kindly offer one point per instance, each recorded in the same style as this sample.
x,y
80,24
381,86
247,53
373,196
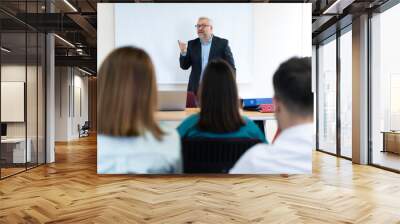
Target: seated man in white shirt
x,y
291,153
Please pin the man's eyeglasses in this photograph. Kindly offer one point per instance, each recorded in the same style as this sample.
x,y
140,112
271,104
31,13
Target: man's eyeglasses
x,y
198,26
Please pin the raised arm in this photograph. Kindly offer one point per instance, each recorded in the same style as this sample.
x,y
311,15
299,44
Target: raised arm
x,y
184,59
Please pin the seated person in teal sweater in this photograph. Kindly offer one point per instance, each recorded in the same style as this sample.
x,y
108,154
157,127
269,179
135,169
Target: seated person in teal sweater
x,y
219,115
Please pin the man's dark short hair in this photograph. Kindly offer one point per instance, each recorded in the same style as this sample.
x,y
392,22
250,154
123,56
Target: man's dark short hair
x,y
292,85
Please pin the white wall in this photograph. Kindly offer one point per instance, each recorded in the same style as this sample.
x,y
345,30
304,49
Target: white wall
x,y
62,81
33,125
12,73
15,73
286,32
71,94
80,110
12,100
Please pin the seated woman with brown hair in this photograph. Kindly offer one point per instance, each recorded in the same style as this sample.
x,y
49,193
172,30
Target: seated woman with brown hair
x,y
219,115
129,138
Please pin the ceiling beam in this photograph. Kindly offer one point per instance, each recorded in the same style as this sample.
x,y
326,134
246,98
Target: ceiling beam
x,y
337,7
84,24
81,61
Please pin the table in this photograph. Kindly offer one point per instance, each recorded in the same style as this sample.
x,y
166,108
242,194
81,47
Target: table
x,y
181,115
13,150
391,141
267,118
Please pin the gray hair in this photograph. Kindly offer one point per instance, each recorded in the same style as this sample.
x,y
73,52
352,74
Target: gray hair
x,y
206,18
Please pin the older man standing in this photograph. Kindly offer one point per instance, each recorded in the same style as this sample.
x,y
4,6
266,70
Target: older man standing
x,y
198,52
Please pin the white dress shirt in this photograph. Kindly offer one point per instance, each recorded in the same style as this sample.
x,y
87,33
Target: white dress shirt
x,y
291,153
205,53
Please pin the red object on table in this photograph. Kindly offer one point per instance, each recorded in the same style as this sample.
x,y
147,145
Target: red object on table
x,y
266,108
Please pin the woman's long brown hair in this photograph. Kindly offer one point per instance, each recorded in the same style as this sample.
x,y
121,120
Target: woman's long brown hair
x,y
127,94
219,99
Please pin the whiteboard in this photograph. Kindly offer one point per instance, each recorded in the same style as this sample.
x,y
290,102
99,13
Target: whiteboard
x,y
12,101
157,28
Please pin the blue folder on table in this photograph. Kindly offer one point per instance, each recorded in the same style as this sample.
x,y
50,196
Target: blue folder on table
x,y
254,103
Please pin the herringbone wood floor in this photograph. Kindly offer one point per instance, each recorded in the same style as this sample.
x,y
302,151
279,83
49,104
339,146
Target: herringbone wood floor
x,y
70,191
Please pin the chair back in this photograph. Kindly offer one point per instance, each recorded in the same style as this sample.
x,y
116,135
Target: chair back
x,y
86,125
213,155
191,100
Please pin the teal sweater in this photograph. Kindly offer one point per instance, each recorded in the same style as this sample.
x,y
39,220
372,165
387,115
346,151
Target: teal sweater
x,y
188,129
